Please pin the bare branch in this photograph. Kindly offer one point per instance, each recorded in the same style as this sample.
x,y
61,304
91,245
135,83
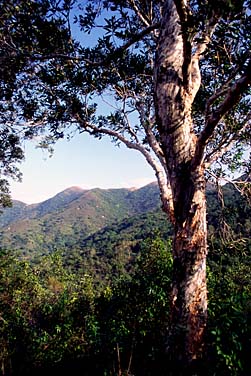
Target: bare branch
x,y
129,128
226,145
244,187
220,151
138,37
232,97
220,92
165,189
154,144
142,17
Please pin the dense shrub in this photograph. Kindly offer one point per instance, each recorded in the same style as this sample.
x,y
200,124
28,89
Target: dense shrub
x,y
52,319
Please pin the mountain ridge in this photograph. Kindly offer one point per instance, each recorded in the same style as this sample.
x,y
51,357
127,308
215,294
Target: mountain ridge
x,y
71,215
57,201
97,218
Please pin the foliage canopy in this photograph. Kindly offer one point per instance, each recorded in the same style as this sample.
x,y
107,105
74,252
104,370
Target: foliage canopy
x,y
90,65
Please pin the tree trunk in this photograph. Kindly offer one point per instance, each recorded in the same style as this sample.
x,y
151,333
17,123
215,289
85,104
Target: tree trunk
x,y
189,290
176,84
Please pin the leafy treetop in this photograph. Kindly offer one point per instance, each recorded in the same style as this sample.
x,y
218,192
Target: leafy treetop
x,y
90,66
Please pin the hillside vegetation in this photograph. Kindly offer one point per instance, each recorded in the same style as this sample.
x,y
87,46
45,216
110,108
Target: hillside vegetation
x,y
99,219
92,298
71,216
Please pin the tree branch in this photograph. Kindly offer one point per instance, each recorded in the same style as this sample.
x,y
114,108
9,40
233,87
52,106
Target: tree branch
x,y
232,97
154,144
139,36
195,76
190,68
226,145
103,62
165,188
139,13
220,92
184,13
205,36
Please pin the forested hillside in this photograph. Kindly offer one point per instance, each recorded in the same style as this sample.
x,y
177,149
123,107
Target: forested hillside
x,y
72,215
93,220
101,307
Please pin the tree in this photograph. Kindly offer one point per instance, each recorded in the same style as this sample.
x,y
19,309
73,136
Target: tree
x,y
25,26
177,76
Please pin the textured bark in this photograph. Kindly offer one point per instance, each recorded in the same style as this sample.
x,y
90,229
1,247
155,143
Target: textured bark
x,y
177,80
189,293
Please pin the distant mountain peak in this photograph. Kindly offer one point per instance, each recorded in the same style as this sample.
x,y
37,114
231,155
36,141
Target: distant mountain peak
x,y
131,189
72,189
76,188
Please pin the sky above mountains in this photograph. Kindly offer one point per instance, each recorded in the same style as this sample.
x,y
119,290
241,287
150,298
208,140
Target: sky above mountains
x,y
83,162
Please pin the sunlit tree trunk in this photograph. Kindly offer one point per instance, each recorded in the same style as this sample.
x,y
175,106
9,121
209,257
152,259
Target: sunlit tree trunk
x,y
189,292
176,84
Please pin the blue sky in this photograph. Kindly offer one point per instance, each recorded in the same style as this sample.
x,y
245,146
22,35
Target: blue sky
x,y
83,161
